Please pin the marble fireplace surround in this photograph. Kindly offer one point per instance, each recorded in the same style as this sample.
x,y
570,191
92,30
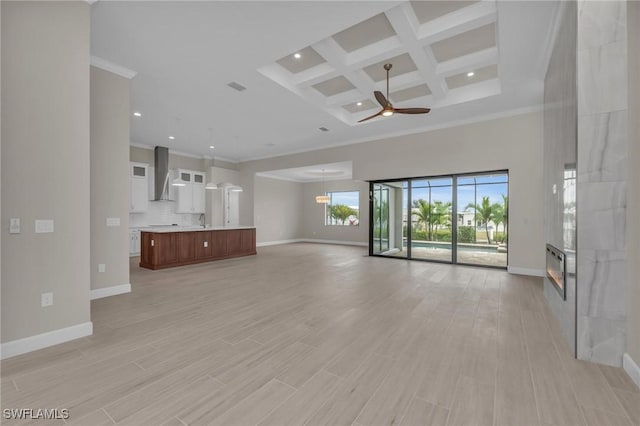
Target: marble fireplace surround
x,y
593,317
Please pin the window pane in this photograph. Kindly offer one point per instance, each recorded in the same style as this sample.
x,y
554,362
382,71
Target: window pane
x,y
343,208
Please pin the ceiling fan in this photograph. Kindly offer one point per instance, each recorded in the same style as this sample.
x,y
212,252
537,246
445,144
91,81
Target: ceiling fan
x,y
388,109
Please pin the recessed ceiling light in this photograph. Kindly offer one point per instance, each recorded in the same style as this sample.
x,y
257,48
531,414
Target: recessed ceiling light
x,y
211,146
324,129
172,137
470,74
137,114
297,55
359,104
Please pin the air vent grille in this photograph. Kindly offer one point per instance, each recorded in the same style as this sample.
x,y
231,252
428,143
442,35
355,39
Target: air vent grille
x,y
237,86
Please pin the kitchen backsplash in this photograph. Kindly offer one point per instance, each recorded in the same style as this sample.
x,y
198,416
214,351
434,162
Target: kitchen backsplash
x,y
162,213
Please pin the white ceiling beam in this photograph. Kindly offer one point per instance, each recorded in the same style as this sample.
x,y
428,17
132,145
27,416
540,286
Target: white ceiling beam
x,y
331,51
468,62
457,22
404,22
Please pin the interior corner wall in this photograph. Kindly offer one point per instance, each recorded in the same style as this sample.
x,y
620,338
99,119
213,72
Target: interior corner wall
x,y
277,208
633,183
109,178
313,214
45,168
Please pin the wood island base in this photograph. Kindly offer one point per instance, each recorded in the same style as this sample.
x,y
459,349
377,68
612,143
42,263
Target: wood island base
x,y
159,250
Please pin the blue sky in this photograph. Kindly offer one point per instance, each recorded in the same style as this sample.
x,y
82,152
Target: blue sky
x,y
493,186
350,199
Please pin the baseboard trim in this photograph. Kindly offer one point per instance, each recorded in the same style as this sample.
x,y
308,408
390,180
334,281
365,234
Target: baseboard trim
x,y
99,293
44,340
339,242
526,271
276,243
631,368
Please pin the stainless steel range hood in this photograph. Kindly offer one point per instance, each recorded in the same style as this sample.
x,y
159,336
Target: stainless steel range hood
x,y
161,175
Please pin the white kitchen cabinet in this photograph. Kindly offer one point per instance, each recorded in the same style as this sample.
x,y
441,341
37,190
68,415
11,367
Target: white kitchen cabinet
x,y
191,196
134,243
139,179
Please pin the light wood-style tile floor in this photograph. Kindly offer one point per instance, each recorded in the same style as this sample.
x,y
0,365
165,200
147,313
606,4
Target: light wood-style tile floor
x,y
322,335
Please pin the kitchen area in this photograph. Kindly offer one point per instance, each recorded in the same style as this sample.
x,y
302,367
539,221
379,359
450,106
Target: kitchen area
x,y
180,215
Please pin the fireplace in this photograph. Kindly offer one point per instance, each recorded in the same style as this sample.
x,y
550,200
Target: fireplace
x,y
556,269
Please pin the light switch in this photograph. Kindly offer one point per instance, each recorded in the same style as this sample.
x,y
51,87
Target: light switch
x,y
113,221
44,226
206,243
102,267
46,299
14,225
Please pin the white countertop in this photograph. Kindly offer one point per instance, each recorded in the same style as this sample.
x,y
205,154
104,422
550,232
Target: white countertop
x,y
191,228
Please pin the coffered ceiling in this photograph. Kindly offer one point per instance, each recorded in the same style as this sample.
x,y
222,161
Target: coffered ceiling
x,y
308,65
443,53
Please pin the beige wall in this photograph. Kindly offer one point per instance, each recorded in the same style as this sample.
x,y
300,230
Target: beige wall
x,y
513,143
313,214
45,165
633,183
109,178
278,210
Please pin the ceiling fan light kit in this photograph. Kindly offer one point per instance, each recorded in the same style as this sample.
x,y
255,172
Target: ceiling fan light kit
x,y
387,108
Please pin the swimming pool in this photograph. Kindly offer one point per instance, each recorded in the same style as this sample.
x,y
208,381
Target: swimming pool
x,y
461,247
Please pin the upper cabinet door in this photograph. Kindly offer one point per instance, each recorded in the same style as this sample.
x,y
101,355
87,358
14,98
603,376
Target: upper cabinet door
x,y
198,178
138,197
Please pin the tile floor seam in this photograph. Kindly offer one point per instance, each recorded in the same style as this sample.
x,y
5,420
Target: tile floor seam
x,y
107,414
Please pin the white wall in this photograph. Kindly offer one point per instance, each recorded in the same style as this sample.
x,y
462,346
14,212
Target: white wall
x,y
109,178
513,143
277,210
45,167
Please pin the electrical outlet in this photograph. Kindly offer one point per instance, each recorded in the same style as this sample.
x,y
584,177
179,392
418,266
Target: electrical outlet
x,y
46,299
14,225
43,226
102,267
206,244
113,221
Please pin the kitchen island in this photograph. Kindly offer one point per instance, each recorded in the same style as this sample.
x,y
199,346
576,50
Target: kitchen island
x,y
167,247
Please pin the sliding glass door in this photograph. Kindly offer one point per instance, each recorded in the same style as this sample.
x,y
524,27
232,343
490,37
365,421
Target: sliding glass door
x,y
483,206
389,219
431,219
455,219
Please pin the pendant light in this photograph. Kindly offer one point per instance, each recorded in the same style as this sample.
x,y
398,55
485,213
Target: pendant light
x,y
211,185
324,198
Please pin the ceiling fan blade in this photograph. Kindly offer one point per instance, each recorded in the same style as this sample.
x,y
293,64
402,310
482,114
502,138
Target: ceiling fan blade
x,y
370,117
380,98
412,110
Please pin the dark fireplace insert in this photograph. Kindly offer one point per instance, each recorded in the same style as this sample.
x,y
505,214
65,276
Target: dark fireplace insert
x,y
556,269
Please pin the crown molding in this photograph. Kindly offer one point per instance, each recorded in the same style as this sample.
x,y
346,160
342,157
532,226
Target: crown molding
x,y
183,154
103,64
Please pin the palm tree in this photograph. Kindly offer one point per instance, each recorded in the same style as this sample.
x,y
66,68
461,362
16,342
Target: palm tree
x,y
505,214
498,215
484,212
423,212
441,215
341,212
